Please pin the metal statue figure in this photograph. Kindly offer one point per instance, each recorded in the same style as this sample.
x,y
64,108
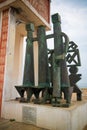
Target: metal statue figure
x,y
53,77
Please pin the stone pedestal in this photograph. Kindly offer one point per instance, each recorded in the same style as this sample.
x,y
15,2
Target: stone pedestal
x,y
46,116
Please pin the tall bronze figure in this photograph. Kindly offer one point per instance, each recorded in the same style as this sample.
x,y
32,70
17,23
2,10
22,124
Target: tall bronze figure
x,y
43,58
60,74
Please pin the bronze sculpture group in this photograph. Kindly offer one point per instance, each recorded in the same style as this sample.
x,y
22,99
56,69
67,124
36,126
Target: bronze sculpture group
x,y
54,67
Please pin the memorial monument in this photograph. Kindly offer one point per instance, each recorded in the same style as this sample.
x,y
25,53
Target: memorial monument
x,y
53,73
57,71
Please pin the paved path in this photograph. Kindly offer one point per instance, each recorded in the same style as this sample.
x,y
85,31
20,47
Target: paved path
x,y
13,125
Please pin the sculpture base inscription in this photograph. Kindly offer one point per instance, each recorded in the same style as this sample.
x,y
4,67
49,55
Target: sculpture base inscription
x,y
29,115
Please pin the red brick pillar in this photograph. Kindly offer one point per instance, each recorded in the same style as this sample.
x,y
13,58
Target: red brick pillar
x,y
3,42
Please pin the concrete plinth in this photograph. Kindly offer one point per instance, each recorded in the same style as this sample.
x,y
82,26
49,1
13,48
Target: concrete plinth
x,y
48,117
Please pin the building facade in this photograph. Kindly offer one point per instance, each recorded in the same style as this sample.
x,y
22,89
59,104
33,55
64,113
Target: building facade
x,y
14,15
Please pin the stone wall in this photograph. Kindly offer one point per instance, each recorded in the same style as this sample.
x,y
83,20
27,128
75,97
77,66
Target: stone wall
x,y
84,93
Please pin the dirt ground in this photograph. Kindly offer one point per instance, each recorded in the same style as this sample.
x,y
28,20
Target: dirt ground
x,y
13,125
85,128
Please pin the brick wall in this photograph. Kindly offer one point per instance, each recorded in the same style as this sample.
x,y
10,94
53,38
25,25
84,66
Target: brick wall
x,y
2,1
42,7
3,41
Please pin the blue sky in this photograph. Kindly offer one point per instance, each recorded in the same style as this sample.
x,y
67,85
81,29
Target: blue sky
x,y
74,23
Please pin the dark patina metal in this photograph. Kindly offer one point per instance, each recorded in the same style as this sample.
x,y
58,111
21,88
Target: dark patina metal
x,y
73,62
53,78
